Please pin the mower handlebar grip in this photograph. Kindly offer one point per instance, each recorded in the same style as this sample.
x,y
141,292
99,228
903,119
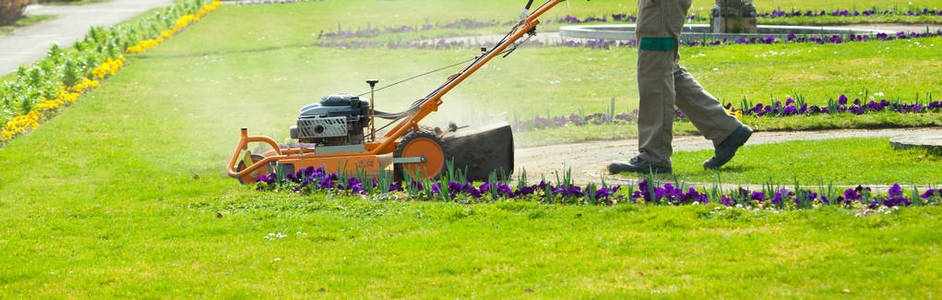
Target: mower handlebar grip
x,y
244,140
529,3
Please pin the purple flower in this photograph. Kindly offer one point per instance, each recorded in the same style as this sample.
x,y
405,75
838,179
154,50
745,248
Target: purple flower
x,y
928,194
415,185
779,197
851,195
757,196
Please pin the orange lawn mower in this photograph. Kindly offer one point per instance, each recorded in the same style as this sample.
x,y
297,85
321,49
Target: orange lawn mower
x,y
339,133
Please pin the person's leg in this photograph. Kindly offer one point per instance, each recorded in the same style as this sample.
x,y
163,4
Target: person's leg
x,y
659,26
658,29
709,116
703,110
656,107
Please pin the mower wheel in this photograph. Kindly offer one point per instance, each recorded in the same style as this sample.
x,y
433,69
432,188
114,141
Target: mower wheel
x,y
421,144
252,177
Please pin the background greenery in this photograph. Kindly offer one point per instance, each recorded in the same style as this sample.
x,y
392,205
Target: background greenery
x,y
30,20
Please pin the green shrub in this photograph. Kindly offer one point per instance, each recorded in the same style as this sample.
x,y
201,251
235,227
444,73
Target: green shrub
x,y
68,65
70,73
11,11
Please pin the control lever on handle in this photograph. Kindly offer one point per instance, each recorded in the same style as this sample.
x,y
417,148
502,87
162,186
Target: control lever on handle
x,y
526,10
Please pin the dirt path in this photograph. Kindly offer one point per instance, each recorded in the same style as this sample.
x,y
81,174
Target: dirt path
x,y
26,45
588,160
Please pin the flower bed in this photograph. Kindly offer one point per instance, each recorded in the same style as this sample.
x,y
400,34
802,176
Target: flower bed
x,y
608,44
791,107
613,18
181,24
776,13
49,108
41,90
647,191
842,105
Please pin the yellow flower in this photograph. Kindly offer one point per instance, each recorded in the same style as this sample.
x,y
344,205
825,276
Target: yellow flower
x,y
107,68
67,95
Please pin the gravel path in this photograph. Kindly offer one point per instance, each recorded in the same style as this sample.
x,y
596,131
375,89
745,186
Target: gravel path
x,y
588,160
28,44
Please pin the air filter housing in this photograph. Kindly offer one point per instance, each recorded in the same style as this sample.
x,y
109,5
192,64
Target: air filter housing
x,y
337,120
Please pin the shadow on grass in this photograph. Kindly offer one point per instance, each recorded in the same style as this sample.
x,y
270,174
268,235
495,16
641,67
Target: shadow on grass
x,y
716,174
733,169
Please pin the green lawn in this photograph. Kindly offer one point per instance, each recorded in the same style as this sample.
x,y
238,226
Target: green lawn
x,y
29,20
835,161
124,193
74,2
214,245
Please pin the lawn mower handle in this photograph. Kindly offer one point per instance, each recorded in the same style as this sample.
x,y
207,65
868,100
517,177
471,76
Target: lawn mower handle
x,y
243,145
527,25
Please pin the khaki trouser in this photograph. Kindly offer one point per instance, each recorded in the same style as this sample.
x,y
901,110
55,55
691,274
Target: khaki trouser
x,y
662,83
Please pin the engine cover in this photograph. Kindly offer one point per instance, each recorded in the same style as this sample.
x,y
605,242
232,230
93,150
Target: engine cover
x,y
322,127
336,120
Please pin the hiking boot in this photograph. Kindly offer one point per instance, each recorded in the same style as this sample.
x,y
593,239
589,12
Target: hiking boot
x,y
727,149
637,165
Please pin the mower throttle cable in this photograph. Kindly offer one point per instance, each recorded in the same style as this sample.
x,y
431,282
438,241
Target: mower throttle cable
x,y
415,105
420,75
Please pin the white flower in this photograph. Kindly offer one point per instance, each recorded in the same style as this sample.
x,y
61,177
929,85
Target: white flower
x,y
272,236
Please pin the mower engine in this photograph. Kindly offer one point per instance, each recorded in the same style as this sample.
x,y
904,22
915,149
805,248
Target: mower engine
x,y
338,120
